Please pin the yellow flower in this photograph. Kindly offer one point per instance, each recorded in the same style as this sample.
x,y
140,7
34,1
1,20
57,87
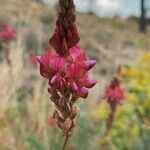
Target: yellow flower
x,y
145,58
141,110
124,109
146,103
134,131
105,140
101,110
148,92
142,80
132,97
123,72
133,71
129,72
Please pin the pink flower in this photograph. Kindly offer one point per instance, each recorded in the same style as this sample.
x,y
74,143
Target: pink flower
x,y
32,59
79,80
77,74
78,56
67,68
7,33
52,121
114,92
68,73
52,66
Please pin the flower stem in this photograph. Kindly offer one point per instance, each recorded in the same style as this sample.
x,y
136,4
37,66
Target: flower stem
x,y
65,143
111,116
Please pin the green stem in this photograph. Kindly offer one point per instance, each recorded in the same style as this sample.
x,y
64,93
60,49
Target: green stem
x,y
65,143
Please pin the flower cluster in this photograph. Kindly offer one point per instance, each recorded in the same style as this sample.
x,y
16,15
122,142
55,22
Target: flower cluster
x,y
66,68
68,73
7,33
114,92
68,76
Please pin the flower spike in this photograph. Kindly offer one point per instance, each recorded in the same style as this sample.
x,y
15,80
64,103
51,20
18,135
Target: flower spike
x,y
66,34
66,68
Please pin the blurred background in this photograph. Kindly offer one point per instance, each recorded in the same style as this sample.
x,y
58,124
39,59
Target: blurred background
x,y
114,32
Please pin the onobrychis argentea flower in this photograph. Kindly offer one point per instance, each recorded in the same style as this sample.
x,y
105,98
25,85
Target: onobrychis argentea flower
x,y
7,33
114,94
68,73
66,67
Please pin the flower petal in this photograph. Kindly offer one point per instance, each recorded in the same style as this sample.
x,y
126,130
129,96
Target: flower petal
x,y
88,82
83,92
74,86
88,64
76,54
56,78
58,64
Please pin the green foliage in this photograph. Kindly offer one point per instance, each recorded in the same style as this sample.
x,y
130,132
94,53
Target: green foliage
x,y
34,143
1,47
31,41
84,134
